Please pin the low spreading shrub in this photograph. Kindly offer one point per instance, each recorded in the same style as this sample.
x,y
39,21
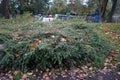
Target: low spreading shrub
x,y
73,45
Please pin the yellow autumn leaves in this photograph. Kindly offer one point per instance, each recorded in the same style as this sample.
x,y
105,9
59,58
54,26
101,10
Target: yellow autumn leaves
x,y
34,43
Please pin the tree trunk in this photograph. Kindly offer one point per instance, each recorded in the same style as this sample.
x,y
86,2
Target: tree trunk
x,y
102,9
114,2
5,9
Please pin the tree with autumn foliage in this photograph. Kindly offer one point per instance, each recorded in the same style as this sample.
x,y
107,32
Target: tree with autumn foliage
x,y
58,6
77,7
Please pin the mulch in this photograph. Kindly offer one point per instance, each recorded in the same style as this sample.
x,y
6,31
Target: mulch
x,y
104,74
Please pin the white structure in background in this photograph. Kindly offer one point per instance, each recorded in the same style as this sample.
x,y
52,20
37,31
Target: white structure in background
x,y
73,1
45,19
85,2
67,1
116,18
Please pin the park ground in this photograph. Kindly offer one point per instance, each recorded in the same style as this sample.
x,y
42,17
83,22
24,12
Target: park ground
x,y
33,33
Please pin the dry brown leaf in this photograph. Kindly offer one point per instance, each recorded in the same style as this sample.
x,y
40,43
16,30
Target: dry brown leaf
x,y
24,76
84,68
76,70
64,76
32,46
34,75
91,68
36,41
47,70
81,76
105,64
100,77
63,72
57,71
45,75
47,78
107,60
27,36
118,73
10,76
16,72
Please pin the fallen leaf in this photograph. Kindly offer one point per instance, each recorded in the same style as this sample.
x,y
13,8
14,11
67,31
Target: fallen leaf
x,y
100,78
91,68
81,76
16,72
24,76
32,46
84,68
57,71
107,60
47,70
63,40
37,41
118,73
64,76
47,78
76,70
34,75
105,64
45,75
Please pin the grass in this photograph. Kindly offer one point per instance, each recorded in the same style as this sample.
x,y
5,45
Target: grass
x,y
112,31
54,44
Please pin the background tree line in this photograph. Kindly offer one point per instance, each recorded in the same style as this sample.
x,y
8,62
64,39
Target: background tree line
x,y
106,8
20,6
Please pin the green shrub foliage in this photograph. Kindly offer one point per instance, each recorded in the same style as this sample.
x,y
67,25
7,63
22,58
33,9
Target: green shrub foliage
x,y
83,44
